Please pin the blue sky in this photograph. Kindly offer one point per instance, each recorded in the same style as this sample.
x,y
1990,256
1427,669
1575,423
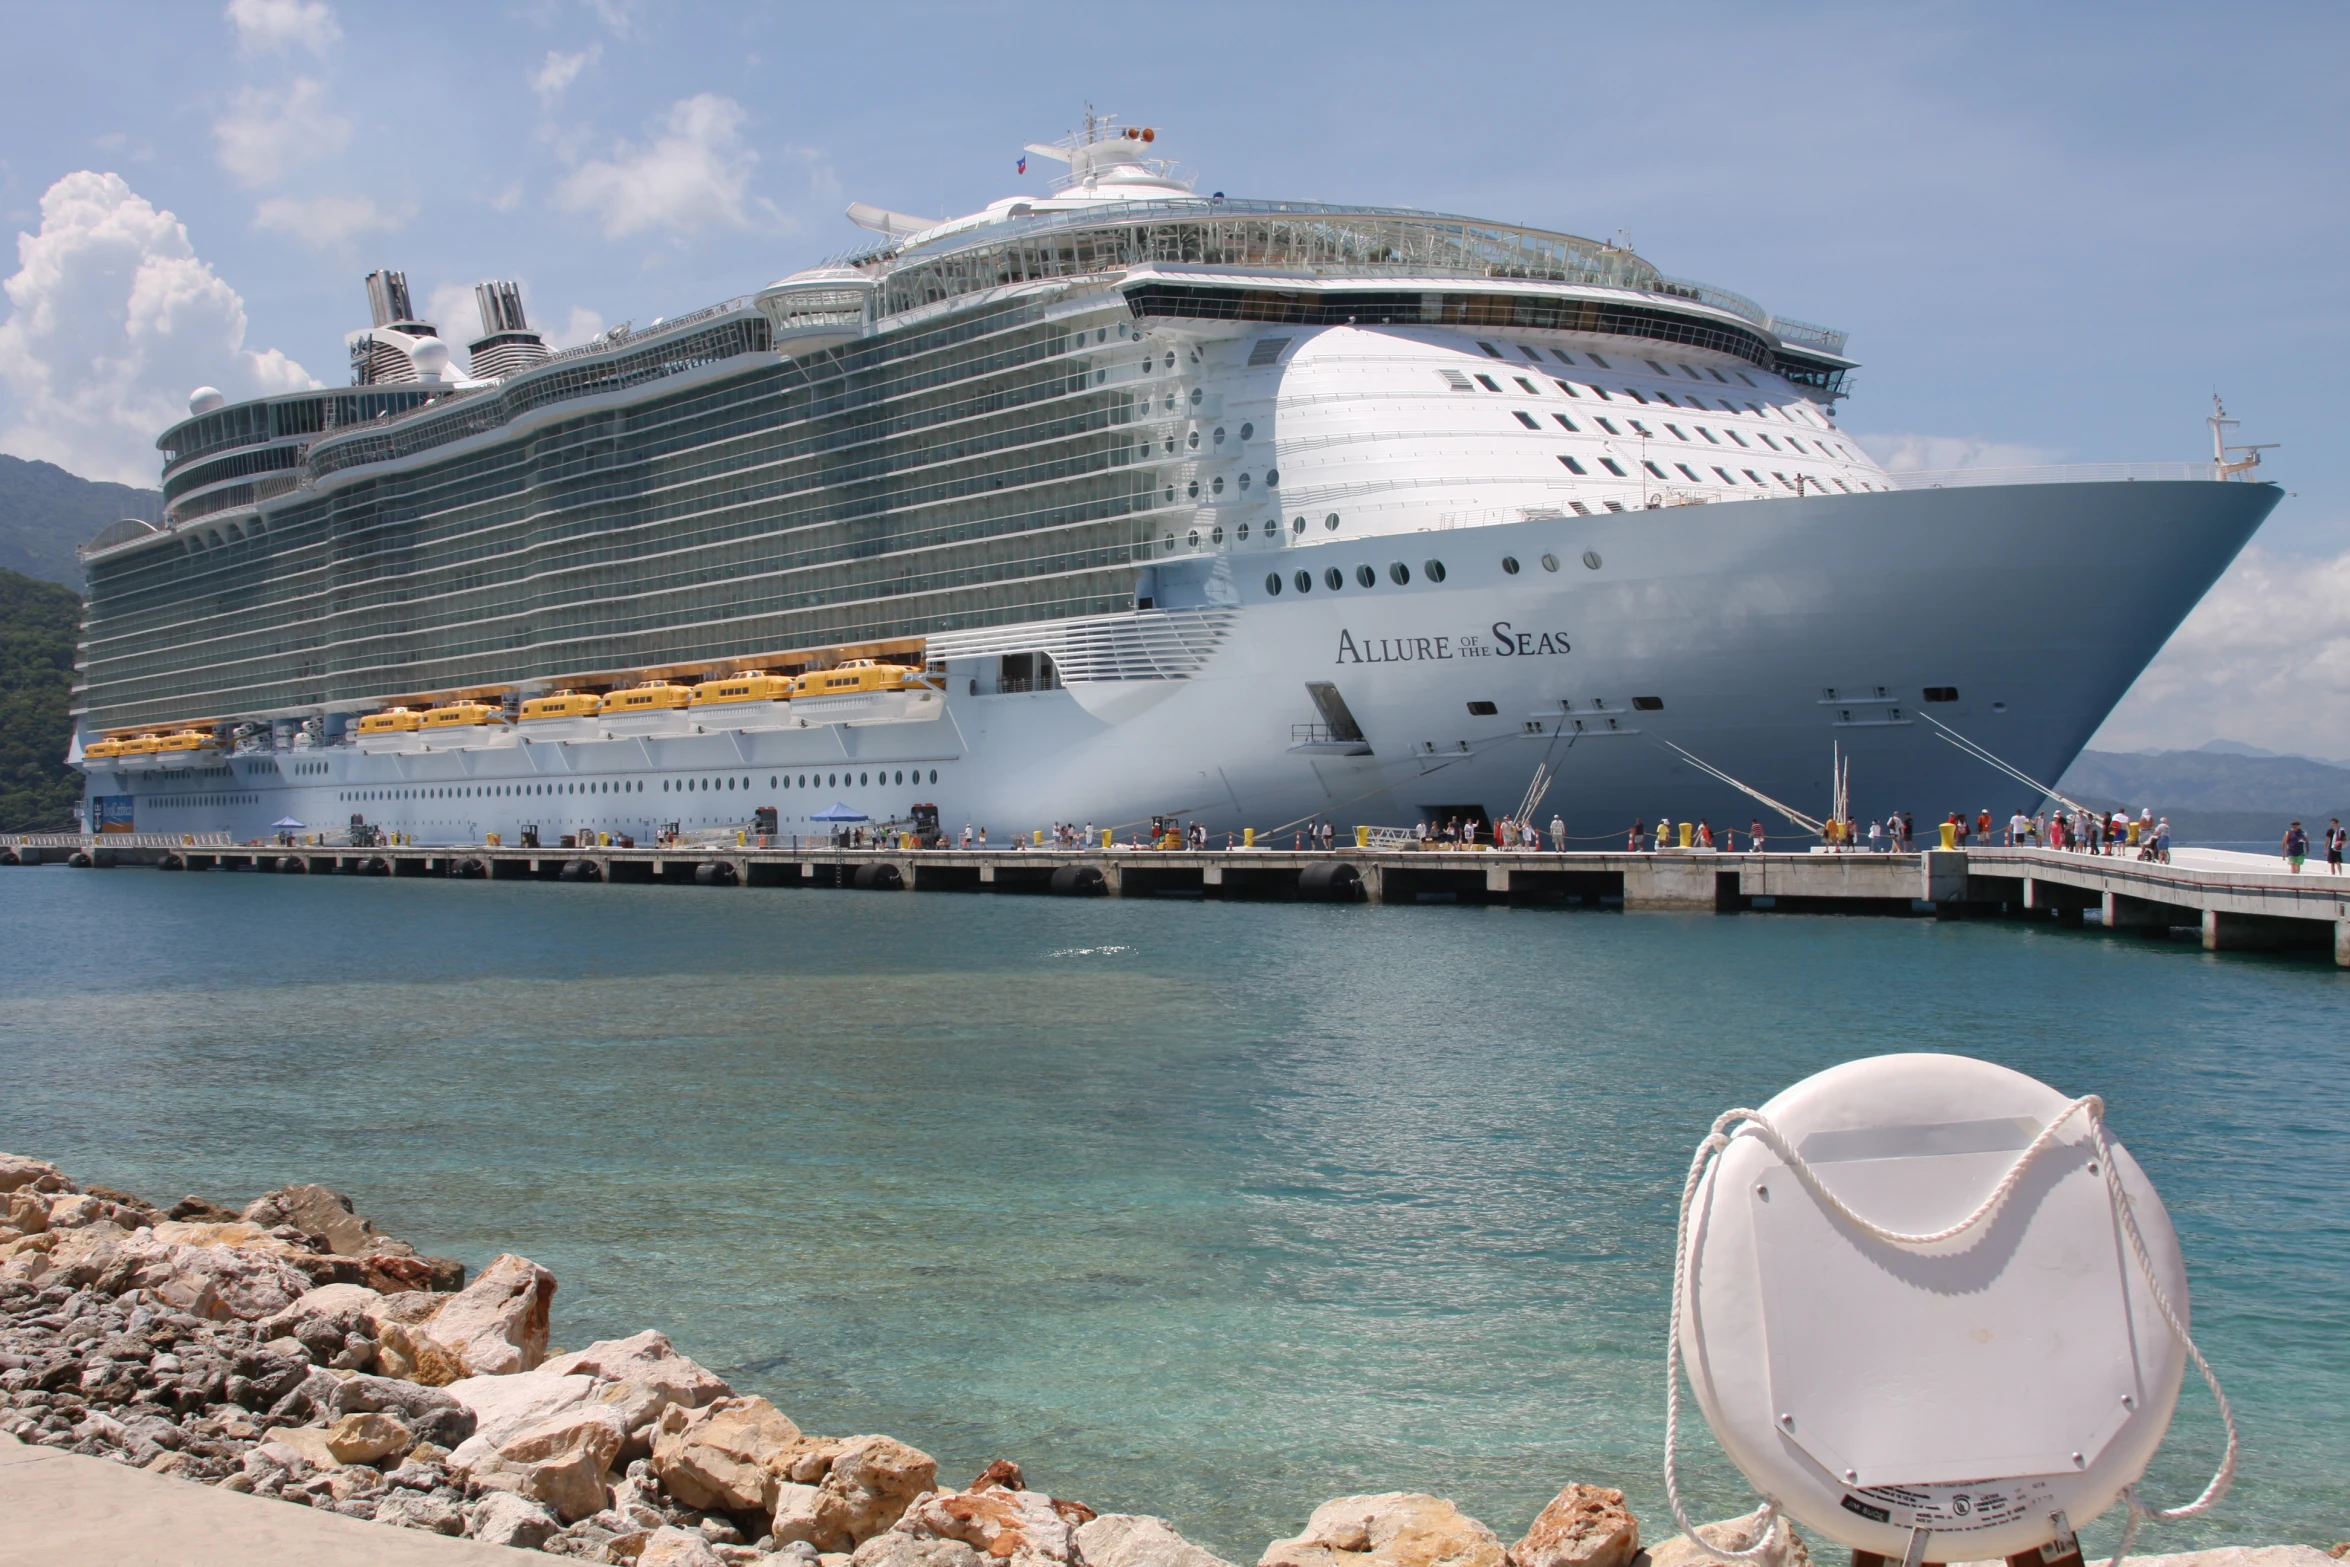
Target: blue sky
x,y
2053,232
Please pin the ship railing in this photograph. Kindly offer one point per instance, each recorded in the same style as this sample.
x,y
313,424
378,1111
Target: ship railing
x,y
117,840
2072,473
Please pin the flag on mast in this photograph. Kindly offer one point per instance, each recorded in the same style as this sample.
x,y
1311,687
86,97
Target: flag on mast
x,y
1022,166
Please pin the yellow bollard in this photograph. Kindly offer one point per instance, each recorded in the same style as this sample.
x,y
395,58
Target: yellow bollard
x,y
1038,839
1248,837
1688,832
1362,836
1950,835
604,840
738,837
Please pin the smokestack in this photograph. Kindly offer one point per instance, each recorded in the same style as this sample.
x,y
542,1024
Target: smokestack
x,y
501,307
507,344
387,297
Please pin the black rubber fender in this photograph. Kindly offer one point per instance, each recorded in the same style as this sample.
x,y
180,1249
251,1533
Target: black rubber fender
x,y
881,876
1334,882
1079,881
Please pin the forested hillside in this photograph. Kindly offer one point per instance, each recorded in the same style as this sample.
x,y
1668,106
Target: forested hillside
x,y
45,512
37,625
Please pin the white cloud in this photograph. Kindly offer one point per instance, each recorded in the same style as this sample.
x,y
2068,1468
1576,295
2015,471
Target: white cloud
x,y
1935,453
560,71
279,26
322,222
452,308
113,321
577,328
694,174
268,131
2265,659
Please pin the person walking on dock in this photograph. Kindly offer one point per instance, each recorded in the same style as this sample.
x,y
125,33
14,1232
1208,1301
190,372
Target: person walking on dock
x,y
2336,839
1754,836
1558,834
2296,847
1632,840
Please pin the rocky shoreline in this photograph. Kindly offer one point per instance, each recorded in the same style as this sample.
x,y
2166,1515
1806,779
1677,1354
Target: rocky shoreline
x,y
291,1350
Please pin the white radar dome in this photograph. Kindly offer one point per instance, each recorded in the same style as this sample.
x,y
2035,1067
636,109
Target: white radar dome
x,y
1882,1348
204,399
430,356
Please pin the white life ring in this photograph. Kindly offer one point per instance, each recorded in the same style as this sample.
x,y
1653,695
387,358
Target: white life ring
x,y
1986,1341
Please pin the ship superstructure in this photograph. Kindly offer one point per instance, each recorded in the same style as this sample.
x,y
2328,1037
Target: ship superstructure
x,y
1157,503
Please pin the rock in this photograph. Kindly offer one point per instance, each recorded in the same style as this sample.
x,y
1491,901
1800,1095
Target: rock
x,y
668,1546
344,1306
368,1438
411,1511
1134,1540
316,1211
243,1275
717,1456
309,1443
394,1272
647,1375
201,1211
26,1212
1394,1529
2247,1556
18,1173
1734,1534
431,1413
1020,1527
893,1549
413,1355
867,1488
503,1407
497,1325
563,1461
504,1519
1584,1526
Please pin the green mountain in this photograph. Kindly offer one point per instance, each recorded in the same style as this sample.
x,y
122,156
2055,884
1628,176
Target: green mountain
x,y
45,512
37,625
2213,796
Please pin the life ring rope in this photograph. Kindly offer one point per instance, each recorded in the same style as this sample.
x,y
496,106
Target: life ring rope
x,y
2091,1106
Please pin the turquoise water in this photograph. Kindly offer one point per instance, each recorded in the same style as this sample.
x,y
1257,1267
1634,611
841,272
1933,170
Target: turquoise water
x,y
1208,1210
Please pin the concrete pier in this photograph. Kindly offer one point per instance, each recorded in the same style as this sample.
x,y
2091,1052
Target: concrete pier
x,y
2235,902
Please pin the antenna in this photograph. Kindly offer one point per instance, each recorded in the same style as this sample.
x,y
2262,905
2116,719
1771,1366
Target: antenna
x,y
2221,424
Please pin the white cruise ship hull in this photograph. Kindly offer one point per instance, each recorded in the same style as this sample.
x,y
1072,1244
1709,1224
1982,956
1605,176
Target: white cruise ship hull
x,y
1770,636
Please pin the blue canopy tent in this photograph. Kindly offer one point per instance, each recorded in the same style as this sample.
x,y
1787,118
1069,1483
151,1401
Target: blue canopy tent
x,y
840,813
288,824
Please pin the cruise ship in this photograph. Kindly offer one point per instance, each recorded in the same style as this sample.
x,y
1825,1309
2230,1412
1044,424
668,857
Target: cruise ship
x,y
1116,503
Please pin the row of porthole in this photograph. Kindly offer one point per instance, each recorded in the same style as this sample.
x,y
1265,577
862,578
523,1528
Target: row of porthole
x,y
1216,485
1216,533
1365,574
1509,563
1247,432
624,786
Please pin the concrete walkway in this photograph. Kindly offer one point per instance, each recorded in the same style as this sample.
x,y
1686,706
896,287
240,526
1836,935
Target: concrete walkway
x,y
66,1510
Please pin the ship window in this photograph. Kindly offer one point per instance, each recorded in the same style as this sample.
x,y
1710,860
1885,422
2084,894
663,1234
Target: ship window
x,y
1677,435
1566,422
1641,430
1595,359
1219,435
1690,371
1170,361
1216,485
1562,356
860,780
934,775
1272,584
1649,704
1247,431
1614,467
1530,353
1331,522
1841,485
1488,383
1751,474
1735,436
1193,440
1666,398
1601,393
1634,394
1482,709
1766,439
1798,445
1689,471
1550,563
1333,578
1304,581
1653,468
1489,348
1749,380
1659,369
1399,573
1298,525
1196,395
1711,439
1216,534
1783,484
1572,465
1716,374
1564,387
1434,569
1272,478
1528,385
1509,563
1366,576
1526,419
1242,536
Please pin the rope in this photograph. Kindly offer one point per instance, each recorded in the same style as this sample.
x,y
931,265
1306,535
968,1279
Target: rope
x,y
2092,1107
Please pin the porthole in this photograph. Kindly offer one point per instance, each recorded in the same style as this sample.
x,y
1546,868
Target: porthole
x,y
860,780
1168,543
1272,477
1196,393
1193,538
1242,536
1434,569
1591,559
1193,440
1170,447
1331,522
1365,575
1298,525
1170,364
1191,491
901,778
1195,360
1216,534
1170,488
1248,431
1170,402
1333,578
1304,581
1550,563
1509,563
831,781
1219,435
1399,573
934,775
1101,334
1272,584
1216,485
1244,481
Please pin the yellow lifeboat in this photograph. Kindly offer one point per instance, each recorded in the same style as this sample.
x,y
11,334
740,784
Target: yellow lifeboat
x,y
562,704
391,721
753,687
651,697
855,677
455,714
100,750
141,745
185,740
